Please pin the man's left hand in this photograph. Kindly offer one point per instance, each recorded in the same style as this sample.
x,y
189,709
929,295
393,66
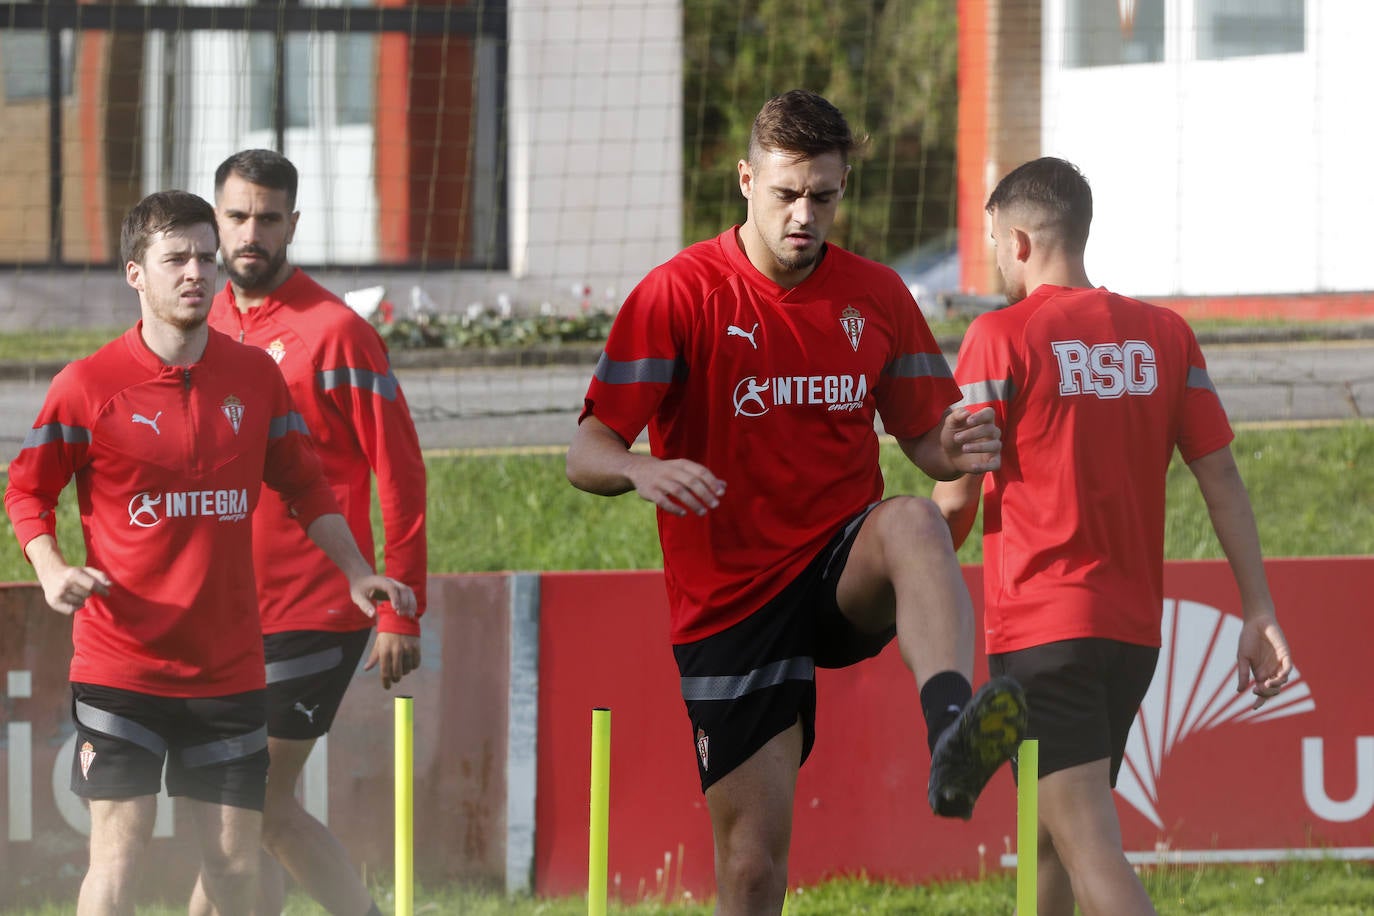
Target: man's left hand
x,y
398,655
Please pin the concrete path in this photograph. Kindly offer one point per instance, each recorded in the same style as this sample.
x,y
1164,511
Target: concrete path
x,y
504,407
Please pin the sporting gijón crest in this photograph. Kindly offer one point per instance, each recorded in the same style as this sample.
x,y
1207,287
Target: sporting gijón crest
x,y
703,749
233,412
853,324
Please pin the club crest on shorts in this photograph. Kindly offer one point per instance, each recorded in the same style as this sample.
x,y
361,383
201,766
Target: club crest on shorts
x,y
703,749
233,412
277,350
87,758
853,324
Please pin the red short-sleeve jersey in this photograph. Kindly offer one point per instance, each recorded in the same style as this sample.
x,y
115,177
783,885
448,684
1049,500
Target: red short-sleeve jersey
x,y
1093,392
168,462
340,377
775,391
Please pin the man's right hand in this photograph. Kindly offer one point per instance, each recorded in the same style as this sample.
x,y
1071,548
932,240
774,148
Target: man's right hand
x,y
677,486
66,588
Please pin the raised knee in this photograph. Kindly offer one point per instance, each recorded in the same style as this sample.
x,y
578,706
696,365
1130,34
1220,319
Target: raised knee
x,y
913,519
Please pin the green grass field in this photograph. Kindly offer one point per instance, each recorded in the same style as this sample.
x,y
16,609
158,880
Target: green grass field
x,y
517,512
1327,888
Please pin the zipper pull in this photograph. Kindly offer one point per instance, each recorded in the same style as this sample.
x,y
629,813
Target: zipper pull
x,y
186,377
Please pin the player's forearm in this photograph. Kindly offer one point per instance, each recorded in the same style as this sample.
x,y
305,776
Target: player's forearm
x,y
45,556
599,461
1233,519
331,534
958,503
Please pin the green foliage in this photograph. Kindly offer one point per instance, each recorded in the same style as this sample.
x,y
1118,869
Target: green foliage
x,y
490,330
889,65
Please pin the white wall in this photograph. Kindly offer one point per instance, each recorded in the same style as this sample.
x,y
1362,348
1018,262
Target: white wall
x,y
595,142
1248,175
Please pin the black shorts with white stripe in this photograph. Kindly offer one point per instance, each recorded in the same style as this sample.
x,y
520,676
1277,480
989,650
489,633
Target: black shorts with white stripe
x,y
215,748
751,681
308,673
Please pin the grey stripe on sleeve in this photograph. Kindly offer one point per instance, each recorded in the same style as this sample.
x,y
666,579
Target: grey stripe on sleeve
x,y
732,687
302,665
292,422
107,723
919,365
632,371
55,432
379,383
987,392
1198,378
226,749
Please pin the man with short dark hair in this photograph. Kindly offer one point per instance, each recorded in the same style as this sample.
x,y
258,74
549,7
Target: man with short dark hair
x,y
1093,391
758,360
170,431
340,377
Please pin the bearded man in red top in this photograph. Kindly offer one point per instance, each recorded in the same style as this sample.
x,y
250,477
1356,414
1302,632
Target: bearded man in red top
x,y
1093,392
759,361
170,432
340,377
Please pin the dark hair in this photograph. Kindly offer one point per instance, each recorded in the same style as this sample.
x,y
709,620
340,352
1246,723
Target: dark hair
x,y
260,167
161,212
1055,188
804,123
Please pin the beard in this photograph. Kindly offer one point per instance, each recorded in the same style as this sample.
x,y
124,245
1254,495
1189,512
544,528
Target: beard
x,y
259,276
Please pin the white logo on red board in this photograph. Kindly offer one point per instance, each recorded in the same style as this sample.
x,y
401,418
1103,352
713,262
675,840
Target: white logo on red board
x,y
232,408
87,756
853,323
1195,691
704,749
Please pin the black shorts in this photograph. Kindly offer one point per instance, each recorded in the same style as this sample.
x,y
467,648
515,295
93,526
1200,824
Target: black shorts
x,y
749,683
215,748
1083,695
308,672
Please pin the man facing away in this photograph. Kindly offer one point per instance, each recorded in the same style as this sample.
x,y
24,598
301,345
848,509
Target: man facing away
x,y
340,378
1093,392
757,360
170,432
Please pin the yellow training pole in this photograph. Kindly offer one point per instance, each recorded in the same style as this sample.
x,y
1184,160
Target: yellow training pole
x,y
600,817
1027,827
405,806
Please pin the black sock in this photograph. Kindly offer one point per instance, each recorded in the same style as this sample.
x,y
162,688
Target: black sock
x,y
941,699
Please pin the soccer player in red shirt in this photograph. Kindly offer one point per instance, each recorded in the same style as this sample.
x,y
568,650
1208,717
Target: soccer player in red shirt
x,y
340,377
170,432
758,360
1093,392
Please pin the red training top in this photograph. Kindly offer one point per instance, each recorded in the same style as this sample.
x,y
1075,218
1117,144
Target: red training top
x,y
340,378
1093,391
774,391
168,462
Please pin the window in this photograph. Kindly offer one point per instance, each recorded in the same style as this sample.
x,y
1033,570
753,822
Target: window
x,y
1107,33
1244,28
24,57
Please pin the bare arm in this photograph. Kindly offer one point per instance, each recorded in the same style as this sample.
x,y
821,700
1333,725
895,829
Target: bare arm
x,y
65,587
1263,655
961,443
330,533
958,502
600,462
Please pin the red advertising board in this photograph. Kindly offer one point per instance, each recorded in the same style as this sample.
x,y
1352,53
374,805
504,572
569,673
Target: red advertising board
x,y
1206,778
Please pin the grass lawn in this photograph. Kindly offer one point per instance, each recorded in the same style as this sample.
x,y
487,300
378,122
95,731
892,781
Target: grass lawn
x,y
517,512
1327,888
